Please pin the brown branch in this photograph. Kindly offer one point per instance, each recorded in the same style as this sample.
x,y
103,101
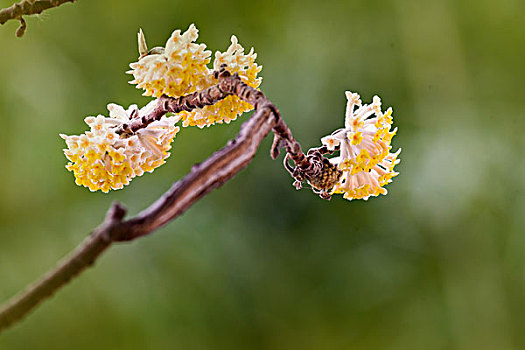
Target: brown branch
x,y
26,8
189,102
202,179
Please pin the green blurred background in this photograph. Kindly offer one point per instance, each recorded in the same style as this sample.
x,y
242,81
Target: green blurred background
x,y
439,263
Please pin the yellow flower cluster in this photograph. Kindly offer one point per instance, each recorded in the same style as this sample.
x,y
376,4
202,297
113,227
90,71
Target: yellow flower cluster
x,y
181,68
364,146
232,106
100,159
175,70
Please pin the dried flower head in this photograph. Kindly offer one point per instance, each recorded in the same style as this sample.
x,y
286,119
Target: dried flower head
x,y
175,70
101,159
364,146
231,107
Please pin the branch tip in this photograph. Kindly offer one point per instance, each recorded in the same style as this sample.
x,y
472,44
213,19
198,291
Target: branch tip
x,y
116,212
22,28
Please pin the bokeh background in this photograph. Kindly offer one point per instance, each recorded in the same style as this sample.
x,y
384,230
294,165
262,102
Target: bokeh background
x,y
439,263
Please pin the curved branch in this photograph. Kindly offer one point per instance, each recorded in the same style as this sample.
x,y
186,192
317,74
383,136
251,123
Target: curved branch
x,y
202,179
25,8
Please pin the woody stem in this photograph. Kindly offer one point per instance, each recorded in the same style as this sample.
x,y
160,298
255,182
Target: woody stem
x,y
203,178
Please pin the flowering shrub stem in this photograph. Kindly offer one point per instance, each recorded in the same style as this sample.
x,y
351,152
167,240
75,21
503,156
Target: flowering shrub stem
x,y
25,8
189,102
203,178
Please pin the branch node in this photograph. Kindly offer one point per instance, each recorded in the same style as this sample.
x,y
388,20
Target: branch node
x,y
278,143
316,170
111,228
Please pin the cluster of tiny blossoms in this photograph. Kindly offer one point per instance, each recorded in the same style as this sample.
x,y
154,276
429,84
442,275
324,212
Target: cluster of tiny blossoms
x,y
364,149
176,70
103,160
181,68
232,106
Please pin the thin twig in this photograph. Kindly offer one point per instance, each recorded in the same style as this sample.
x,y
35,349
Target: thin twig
x,y
202,179
26,8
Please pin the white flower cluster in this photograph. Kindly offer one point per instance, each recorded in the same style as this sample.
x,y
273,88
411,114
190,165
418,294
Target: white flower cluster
x,y
101,159
176,70
232,106
364,146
